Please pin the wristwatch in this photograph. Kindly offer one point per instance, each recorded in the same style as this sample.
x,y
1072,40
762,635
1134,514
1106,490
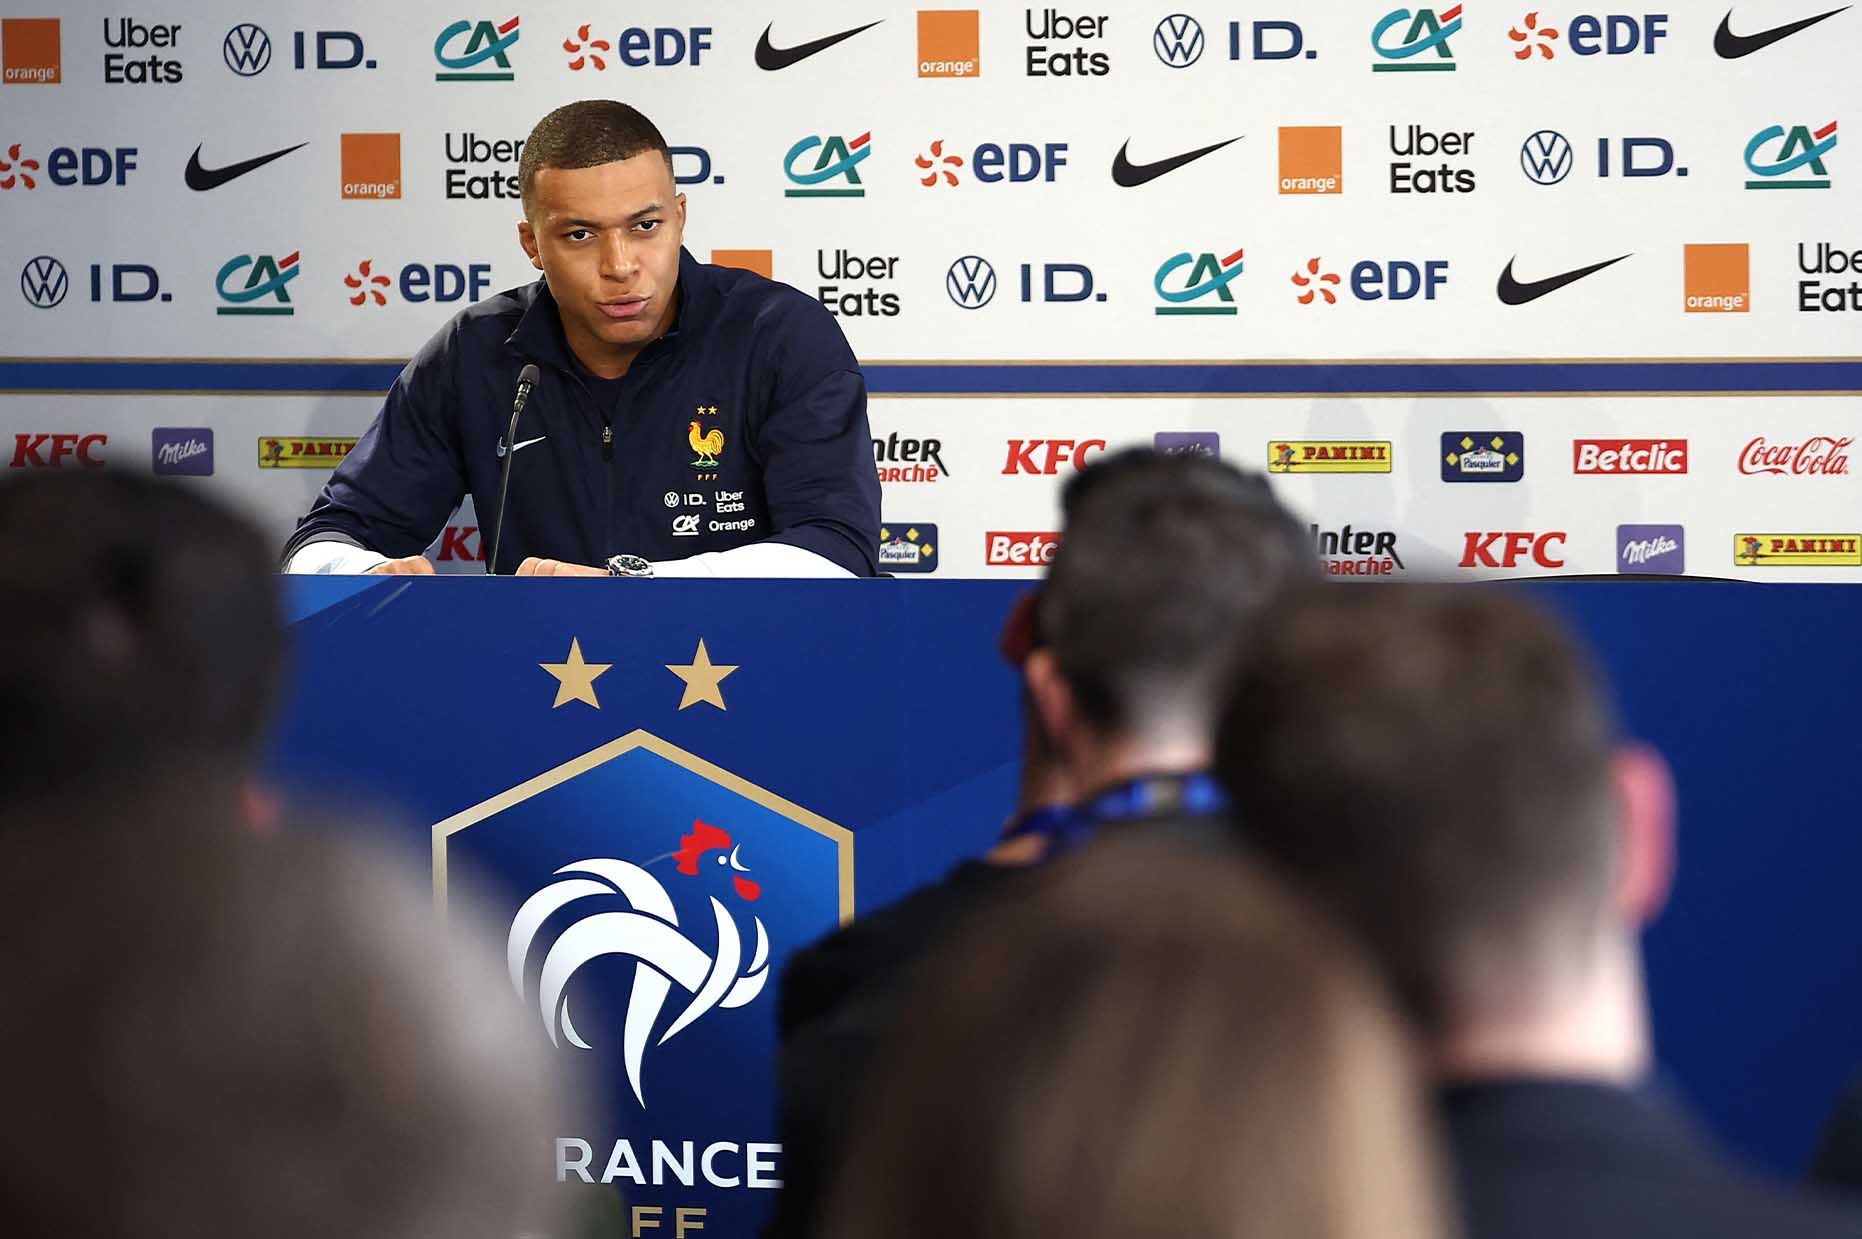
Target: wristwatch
x,y
629,565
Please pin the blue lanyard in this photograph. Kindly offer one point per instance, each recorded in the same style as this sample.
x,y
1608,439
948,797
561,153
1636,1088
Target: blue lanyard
x,y
1067,826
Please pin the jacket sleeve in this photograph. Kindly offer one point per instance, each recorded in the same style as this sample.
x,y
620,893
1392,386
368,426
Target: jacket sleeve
x,y
405,476
818,473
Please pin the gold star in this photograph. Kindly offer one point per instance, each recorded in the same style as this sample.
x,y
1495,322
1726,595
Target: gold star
x,y
702,678
575,679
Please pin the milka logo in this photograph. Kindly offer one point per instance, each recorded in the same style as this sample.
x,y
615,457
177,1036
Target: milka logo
x,y
175,453
649,932
1642,550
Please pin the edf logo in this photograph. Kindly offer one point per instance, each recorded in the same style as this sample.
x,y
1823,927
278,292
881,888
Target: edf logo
x,y
1398,281
419,282
67,165
1617,34
1018,162
640,48
1046,456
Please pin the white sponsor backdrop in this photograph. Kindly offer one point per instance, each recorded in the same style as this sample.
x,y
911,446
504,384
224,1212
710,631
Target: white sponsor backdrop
x,y
1681,105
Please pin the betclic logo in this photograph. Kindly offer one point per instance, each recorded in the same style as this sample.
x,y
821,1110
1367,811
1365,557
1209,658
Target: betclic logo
x,y
1020,550
1621,457
55,451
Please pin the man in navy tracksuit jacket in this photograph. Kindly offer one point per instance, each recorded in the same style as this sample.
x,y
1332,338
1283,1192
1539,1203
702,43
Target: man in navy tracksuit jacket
x,y
682,409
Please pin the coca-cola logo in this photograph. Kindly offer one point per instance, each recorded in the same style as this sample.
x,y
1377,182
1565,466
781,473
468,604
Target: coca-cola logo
x,y
1820,454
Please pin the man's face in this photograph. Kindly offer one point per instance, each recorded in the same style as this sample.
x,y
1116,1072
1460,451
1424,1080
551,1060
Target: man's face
x,y
607,239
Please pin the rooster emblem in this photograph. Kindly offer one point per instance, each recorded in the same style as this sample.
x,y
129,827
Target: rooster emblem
x,y
707,445
648,931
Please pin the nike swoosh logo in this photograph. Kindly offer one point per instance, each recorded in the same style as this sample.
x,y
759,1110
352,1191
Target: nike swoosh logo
x,y
212,178
1512,292
1131,175
519,446
1732,46
769,56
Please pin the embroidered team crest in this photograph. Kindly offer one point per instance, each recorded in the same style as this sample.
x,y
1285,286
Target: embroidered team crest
x,y
709,444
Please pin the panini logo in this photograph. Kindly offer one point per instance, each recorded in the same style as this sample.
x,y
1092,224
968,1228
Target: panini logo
x,y
323,453
1328,456
1798,550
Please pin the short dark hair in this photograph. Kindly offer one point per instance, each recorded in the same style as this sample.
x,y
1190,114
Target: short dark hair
x,y
1164,562
1434,760
259,1035
141,623
586,134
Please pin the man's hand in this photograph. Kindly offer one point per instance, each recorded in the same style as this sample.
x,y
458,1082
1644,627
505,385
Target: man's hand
x,y
556,567
413,565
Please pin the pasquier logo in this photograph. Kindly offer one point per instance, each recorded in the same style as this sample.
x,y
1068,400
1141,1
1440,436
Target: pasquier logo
x,y
1512,548
1020,550
1818,455
1620,456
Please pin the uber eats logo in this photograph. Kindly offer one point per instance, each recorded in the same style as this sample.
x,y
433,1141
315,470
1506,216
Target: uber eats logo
x,y
866,292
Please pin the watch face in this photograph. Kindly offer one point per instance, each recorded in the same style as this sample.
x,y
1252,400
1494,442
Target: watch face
x,y
630,565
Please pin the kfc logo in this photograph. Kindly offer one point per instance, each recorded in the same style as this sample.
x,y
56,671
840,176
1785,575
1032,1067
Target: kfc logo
x,y
1625,456
1046,456
1819,454
461,543
51,451
1507,550
1020,550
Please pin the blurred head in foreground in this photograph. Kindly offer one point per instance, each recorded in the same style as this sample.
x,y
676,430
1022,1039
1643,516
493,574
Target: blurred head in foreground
x,y
1164,562
210,1033
1440,766
1152,1045
143,640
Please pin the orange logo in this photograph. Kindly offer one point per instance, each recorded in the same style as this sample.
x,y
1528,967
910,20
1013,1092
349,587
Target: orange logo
x,y
760,261
371,165
1311,159
1544,36
1718,279
949,43
29,51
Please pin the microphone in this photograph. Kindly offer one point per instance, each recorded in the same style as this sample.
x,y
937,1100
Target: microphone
x,y
526,379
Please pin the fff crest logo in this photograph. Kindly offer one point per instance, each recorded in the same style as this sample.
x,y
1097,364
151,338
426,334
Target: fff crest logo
x,y
649,898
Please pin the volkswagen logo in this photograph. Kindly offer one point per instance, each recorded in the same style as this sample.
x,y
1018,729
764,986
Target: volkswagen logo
x,y
1178,41
44,282
246,49
1546,157
971,282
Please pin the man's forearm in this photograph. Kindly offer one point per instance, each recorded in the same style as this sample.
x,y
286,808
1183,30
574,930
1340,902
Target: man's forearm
x,y
330,557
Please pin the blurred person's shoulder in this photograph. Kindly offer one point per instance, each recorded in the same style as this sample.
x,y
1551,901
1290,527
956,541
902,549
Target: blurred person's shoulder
x,y
875,949
1548,1159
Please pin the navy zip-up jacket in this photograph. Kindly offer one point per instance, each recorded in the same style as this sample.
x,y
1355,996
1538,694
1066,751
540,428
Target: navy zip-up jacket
x,y
745,422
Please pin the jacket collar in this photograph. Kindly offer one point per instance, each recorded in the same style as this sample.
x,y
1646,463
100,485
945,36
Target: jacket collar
x,y
539,334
